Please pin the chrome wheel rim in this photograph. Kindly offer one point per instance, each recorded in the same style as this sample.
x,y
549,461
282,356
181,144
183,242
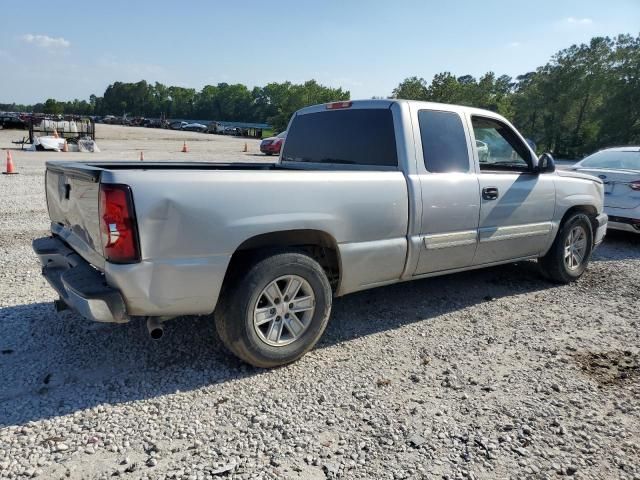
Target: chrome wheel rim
x,y
575,247
283,310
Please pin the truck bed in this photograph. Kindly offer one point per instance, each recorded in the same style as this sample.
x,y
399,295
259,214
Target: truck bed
x,y
192,217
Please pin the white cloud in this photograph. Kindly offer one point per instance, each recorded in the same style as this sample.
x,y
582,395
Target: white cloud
x,y
579,21
513,44
45,41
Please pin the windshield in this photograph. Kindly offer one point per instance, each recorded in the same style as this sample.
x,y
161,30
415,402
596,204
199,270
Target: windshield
x,y
613,159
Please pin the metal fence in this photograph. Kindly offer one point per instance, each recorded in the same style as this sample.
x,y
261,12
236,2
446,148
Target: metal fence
x,y
68,127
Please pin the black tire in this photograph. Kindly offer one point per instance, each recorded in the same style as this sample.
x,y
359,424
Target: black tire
x,y
234,317
553,263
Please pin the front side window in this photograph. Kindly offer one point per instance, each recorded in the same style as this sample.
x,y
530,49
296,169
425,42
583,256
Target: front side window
x,y
444,145
347,137
498,146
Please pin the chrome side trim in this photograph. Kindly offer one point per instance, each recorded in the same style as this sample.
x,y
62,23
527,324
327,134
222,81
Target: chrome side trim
x,y
493,234
453,239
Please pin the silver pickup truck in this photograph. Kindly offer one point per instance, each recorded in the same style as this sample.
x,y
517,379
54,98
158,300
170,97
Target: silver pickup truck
x,y
365,193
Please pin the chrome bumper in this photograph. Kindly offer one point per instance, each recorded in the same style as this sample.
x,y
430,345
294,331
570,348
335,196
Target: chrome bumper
x,y
80,286
602,229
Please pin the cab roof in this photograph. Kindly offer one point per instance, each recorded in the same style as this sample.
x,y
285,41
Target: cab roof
x,y
387,103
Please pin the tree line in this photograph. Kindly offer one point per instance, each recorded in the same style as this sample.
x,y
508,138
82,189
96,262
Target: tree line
x,y
273,103
586,97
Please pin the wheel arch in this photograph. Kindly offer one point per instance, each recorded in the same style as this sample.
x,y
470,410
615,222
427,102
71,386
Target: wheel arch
x,y
319,245
589,210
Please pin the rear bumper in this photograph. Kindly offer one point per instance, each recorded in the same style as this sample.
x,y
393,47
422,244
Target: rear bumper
x,y
601,231
80,286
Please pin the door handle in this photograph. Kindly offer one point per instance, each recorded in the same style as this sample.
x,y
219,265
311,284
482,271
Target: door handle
x,y
490,193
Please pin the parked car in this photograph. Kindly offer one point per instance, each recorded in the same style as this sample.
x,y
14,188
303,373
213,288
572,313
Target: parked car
x,y
232,131
195,127
272,145
12,121
215,127
155,123
619,169
136,121
365,194
177,125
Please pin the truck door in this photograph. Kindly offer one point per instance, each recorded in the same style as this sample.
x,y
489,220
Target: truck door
x,y
450,191
516,205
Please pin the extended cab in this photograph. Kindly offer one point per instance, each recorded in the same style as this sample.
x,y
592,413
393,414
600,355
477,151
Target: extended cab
x,y
365,193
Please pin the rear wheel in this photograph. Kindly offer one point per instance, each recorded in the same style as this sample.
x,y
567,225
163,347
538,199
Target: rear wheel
x,y
569,255
276,312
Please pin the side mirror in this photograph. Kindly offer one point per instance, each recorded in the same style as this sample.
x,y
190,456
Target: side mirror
x,y
546,163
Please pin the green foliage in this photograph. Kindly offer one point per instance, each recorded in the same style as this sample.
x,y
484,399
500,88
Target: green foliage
x,y
273,103
278,101
53,107
587,96
412,88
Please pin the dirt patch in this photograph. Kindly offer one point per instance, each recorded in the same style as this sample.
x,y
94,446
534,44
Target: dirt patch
x,y
610,368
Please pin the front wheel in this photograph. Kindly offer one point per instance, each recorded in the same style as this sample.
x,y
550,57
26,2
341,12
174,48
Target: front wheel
x,y
569,255
276,311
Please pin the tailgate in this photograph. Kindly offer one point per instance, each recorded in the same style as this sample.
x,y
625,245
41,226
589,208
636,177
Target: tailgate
x,y
72,200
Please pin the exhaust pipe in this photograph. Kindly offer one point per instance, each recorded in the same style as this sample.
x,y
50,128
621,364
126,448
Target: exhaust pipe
x,y
156,330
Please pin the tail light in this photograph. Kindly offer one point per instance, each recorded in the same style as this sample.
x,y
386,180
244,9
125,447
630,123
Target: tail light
x,y
338,105
635,185
118,224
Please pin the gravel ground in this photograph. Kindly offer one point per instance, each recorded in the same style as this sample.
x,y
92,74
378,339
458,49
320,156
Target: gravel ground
x,y
488,374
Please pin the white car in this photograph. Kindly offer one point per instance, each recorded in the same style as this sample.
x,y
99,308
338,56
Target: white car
x,y
619,169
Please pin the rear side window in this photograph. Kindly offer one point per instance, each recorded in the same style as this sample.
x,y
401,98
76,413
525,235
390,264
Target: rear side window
x,y
444,144
350,137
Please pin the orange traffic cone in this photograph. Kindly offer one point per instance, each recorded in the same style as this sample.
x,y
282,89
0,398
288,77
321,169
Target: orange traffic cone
x,y
142,156
10,169
246,148
65,147
55,133
185,149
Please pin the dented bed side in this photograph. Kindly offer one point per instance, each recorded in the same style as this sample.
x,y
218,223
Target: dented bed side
x,y
190,224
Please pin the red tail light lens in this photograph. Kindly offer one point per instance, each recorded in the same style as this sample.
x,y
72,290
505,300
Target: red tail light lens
x,y
338,105
118,224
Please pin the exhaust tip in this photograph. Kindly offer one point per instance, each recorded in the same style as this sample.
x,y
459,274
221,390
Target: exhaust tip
x,y
154,326
156,333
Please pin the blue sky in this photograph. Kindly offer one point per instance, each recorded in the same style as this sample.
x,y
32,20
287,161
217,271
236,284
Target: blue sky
x,y
366,47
